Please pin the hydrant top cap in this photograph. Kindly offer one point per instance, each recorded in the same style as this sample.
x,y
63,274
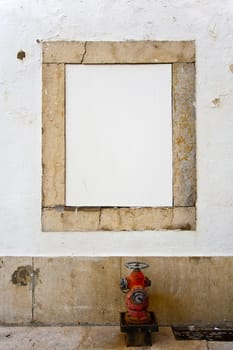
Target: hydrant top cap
x,y
136,265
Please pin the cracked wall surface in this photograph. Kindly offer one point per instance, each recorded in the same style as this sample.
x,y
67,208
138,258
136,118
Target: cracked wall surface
x,y
56,216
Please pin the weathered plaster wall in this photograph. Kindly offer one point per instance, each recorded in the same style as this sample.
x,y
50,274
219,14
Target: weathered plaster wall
x,y
23,24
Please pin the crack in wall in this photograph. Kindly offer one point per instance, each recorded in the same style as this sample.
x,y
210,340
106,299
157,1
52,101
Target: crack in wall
x,y
99,224
33,290
84,53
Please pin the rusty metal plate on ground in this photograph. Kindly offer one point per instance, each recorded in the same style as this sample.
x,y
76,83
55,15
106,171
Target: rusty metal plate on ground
x,y
208,332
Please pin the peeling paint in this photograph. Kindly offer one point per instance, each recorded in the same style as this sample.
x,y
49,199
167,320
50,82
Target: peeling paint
x,y
216,102
21,55
213,33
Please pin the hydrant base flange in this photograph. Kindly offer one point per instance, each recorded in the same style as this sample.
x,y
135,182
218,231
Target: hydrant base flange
x,y
138,334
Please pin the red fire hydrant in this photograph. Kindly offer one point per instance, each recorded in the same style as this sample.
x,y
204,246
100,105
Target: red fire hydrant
x,y
137,321
136,299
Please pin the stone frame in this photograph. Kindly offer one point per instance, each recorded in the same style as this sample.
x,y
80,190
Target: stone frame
x,y
56,216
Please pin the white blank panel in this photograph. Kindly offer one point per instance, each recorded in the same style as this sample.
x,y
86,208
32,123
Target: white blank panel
x,y
118,135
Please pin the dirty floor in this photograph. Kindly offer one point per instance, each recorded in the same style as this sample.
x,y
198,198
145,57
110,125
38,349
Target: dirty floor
x,y
96,337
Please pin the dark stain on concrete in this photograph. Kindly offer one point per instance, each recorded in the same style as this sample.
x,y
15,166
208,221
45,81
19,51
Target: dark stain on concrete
x,y
21,55
36,276
24,275
1,263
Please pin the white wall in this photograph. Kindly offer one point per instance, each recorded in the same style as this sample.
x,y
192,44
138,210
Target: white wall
x,y
23,24
118,118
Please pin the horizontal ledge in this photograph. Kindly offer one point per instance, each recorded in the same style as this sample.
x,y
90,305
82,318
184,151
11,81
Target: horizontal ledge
x,y
114,52
118,219
61,207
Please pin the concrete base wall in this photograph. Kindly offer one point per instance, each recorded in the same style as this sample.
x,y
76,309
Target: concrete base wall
x,y
73,290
